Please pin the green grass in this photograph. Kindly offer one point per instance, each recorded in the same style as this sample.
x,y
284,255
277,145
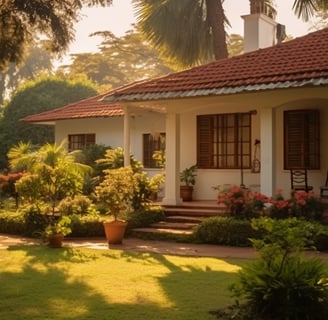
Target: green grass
x,y
42,283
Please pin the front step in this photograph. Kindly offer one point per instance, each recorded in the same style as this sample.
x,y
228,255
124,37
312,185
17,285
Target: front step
x,y
174,225
162,234
193,212
184,219
180,222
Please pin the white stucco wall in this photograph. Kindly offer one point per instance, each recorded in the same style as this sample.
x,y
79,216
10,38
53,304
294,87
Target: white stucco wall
x,y
277,101
109,131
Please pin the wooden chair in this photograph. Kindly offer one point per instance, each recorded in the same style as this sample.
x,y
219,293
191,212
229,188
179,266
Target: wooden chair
x,y
324,189
299,180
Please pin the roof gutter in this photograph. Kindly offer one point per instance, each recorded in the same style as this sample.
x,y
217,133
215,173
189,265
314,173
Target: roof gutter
x,y
215,91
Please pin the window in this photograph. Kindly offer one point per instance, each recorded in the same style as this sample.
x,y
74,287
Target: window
x,y
80,141
152,143
302,139
224,141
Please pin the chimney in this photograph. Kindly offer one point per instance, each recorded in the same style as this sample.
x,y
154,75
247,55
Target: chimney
x,y
260,27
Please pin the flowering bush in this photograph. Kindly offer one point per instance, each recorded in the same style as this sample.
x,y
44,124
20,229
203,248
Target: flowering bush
x,y
301,204
243,203
7,183
279,207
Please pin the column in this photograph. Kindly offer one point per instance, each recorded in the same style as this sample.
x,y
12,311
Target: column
x,y
172,163
126,136
267,152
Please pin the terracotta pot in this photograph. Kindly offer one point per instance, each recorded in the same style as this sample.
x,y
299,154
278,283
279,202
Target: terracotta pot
x,y
55,240
186,193
114,231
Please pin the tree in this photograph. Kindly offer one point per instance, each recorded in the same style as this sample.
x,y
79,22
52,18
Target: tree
x,y
305,9
202,24
34,97
321,20
235,44
119,61
21,21
37,60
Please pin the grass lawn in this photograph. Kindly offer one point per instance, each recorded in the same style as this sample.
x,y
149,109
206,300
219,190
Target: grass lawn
x,y
42,283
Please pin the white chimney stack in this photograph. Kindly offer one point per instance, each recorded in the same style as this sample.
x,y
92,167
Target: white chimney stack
x,y
260,27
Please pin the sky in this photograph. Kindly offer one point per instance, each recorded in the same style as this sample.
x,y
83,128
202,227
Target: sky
x,y
120,16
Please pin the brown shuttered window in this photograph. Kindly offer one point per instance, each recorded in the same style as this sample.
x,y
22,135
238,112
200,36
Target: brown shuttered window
x,y
302,139
224,141
152,143
80,141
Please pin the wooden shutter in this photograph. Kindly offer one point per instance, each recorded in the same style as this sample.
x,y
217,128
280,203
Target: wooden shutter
x,y
301,139
204,141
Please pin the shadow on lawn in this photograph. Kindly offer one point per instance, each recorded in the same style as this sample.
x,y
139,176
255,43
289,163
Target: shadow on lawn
x,y
43,289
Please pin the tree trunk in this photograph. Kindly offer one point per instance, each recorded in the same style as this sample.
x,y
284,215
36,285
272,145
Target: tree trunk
x,y
215,16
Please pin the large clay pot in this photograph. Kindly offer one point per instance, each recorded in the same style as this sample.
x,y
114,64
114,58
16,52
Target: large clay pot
x,y
114,231
55,240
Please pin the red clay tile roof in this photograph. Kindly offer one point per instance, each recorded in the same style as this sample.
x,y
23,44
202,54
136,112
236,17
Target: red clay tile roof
x,y
88,108
299,62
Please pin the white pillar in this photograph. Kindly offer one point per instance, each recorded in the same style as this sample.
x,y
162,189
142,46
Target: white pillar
x,y
126,136
267,152
172,160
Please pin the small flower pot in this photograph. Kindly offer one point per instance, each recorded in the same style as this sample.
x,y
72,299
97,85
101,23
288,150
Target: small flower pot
x,y
55,240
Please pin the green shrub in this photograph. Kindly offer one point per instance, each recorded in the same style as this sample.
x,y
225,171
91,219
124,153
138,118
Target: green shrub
x,y
89,225
145,217
225,231
35,220
143,187
12,223
79,204
281,283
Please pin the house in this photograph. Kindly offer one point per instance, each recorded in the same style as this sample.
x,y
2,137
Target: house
x,y
215,115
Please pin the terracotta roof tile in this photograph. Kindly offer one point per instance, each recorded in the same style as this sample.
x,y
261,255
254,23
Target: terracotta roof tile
x,y
88,108
304,58
302,61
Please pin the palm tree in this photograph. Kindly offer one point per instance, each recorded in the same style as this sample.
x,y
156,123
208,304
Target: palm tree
x,y
50,172
191,32
305,9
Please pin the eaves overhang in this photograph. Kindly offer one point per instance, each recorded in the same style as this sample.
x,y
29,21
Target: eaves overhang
x,y
148,96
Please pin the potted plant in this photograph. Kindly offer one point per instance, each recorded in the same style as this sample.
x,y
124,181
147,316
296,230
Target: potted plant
x,y
188,178
56,230
116,192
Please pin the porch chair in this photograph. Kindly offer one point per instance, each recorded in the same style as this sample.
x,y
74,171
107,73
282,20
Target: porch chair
x,y
299,180
324,189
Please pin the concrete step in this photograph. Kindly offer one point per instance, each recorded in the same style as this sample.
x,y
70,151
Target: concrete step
x,y
180,221
163,231
174,225
184,219
199,212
